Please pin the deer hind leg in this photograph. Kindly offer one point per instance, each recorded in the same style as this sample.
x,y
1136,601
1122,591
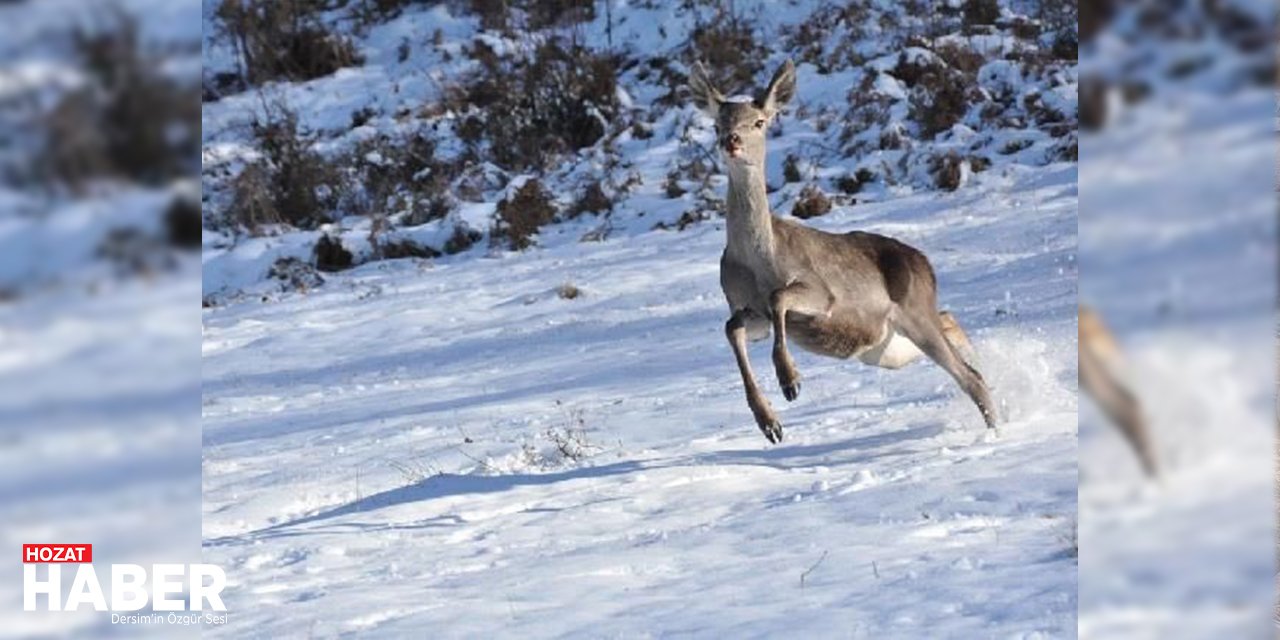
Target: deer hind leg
x,y
896,351
1120,406
927,332
800,298
957,338
736,331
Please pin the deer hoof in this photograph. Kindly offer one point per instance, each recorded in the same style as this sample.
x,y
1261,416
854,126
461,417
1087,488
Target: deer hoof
x,y
791,391
772,431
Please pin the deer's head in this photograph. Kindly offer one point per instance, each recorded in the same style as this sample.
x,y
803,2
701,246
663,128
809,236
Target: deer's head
x,y
740,125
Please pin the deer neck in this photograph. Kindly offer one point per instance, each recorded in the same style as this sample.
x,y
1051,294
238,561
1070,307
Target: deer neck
x,y
749,224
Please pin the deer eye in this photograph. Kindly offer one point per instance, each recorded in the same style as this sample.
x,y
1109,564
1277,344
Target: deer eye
x,y
760,123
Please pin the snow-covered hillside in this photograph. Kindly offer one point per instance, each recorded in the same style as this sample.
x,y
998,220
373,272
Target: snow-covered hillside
x,y
435,113
479,442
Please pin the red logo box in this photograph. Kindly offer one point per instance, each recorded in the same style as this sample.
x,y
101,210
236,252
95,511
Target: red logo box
x,y
56,553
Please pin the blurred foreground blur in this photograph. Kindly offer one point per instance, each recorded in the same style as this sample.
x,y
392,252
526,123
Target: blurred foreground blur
x,y
1178,254
99,367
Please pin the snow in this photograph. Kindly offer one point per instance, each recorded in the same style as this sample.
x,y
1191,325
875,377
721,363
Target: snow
x,y
379,454
1180,242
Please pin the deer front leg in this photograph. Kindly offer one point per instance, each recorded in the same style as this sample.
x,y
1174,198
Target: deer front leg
x,y
802,298
736,330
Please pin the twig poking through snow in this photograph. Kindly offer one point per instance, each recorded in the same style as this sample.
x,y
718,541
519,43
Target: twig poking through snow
x,y
810,569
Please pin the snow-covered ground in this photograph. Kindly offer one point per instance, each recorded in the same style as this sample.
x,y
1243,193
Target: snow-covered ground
x,y
99,376
1178,249
379,454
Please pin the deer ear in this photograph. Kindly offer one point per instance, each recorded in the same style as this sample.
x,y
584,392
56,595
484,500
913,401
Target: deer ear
x,y
705,94
781,89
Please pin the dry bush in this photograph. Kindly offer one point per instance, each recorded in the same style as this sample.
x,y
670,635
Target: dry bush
x,y
131,252
462,239
981,12
295,275
252,203
593,199
284,40
729,50
1013,146
791,169
947,170
130,121
939,99
960,57
811,203
520,215
543,14
848,184
330,255
671,187
568,291
183,224
809,40
1094,16
494,15
285,187
388,176
532,109
405,248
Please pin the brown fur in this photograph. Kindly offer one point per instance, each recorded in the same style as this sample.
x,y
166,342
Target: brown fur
x,y
1100,362
844,295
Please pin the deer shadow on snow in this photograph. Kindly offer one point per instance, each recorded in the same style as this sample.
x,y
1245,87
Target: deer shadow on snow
x,y
850,451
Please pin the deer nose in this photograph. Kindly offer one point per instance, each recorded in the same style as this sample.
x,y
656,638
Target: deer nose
x,y
735,139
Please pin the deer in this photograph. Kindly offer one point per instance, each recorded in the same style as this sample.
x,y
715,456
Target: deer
x,y
1100,364
842,295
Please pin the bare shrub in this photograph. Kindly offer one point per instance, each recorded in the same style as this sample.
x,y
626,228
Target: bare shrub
x,y
389,175
570,438
284,40
291,179
1014,146
939,100
552,13
532,109
131,121
948,170
406,248
463,238
811,203
133,252
330,255
791,169
848,184
252,201
568,291
981,12
960,57
729,49
671,187
521,215
494,15
592,200
812,42
295,275
183,224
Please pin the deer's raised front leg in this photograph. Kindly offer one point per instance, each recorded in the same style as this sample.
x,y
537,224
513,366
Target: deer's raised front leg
x,y
800,298
736,330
